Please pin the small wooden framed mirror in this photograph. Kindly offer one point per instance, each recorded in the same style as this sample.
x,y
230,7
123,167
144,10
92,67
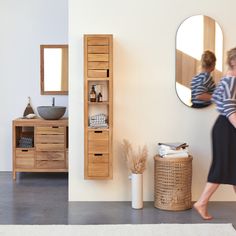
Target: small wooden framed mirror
x,y
54,69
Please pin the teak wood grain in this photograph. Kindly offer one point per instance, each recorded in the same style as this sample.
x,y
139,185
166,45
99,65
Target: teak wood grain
x,y
49,152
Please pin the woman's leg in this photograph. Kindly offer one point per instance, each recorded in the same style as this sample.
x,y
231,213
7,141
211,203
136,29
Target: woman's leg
x,y
234,188
201,204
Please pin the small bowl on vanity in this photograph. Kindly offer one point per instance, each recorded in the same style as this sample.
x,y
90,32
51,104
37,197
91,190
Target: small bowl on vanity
x,y
51,112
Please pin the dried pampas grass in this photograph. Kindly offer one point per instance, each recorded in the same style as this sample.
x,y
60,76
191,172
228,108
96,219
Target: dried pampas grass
x,y
136,162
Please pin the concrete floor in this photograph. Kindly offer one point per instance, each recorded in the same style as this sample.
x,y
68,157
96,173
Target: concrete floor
x,y
41,198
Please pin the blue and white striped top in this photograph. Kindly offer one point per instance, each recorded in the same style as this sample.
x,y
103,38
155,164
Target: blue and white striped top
x,y
224,96
202,83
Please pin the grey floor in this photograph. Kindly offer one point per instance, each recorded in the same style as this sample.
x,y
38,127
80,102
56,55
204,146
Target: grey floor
x,y
42,199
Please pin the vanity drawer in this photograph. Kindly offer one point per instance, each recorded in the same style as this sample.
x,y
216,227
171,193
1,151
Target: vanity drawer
x,y
98,158
98,169
24,159
47,156
98,135
50,147
50,164
51,138
50,130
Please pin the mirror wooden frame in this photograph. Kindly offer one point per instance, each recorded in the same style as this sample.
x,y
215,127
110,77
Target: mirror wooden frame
x,y
42,71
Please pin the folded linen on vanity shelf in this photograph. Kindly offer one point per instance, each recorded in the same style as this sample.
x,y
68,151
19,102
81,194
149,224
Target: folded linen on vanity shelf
x,y
176,155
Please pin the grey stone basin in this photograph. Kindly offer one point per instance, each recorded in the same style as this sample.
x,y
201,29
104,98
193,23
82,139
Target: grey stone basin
x,y
51,112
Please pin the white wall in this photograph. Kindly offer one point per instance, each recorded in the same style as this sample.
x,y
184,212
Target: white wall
x,y
24,25
146,107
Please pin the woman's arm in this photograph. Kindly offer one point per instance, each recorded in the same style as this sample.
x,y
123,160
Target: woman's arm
x,y
232,119
204,96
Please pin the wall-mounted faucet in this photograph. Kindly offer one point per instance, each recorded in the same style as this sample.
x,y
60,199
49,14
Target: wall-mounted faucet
x,y
53,101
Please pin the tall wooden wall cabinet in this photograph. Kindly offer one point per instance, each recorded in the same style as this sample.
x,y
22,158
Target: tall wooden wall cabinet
x,y
98,107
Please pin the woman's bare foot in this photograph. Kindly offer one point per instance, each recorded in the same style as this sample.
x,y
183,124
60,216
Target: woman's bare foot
x,y
202,211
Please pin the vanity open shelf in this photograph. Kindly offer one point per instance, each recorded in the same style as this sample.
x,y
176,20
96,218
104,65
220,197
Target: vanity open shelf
x,y
40,145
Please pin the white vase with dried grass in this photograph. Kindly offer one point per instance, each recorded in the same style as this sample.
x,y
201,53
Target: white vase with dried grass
x,y
136,163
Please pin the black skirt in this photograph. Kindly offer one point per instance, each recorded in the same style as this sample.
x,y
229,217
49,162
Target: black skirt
x,y
223,166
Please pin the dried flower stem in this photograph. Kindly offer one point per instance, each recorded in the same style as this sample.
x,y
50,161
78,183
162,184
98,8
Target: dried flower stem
x,y
136,162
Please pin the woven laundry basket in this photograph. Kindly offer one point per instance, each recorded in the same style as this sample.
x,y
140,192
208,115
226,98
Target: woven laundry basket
x,y
173,181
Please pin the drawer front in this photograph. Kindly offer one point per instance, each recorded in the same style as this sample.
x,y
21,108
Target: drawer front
x,y
98,49
98,135
98,169
47,156
50,138
24,159
98,146
98,73
50,147
98,57
24,153
25,163
98,65
98,158
50,130
98,41
50,164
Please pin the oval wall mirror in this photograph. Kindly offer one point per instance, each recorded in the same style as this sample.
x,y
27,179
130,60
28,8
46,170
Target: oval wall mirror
x,y
196,35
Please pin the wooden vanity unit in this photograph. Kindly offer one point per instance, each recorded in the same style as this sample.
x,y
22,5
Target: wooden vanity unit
x,y
40,145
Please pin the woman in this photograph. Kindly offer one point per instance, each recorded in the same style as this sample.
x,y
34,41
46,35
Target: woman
x,y
202,85
223,167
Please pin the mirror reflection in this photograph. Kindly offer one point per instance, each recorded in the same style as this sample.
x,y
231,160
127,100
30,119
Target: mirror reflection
x,y
199,67
54,69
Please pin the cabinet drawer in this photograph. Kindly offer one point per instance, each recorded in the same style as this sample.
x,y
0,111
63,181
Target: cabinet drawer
x,y
98,146
98,57
50,130
50,147
98,65
47,156
98,135
50,164
98,49
50,138
98,158
98,169
98,73
24,159
25,153
98,40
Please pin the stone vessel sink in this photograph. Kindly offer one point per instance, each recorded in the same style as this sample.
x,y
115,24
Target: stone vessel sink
x,y
51,112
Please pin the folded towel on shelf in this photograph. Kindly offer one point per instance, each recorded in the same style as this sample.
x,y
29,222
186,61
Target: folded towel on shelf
x,y
98,121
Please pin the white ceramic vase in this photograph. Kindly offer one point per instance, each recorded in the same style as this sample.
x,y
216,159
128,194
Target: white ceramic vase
x,y
137,191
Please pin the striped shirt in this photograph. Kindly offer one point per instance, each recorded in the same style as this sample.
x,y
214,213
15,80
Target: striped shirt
x,y
202,83
224,96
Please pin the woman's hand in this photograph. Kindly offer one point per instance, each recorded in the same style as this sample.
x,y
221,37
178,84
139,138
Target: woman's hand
x,y
232,119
